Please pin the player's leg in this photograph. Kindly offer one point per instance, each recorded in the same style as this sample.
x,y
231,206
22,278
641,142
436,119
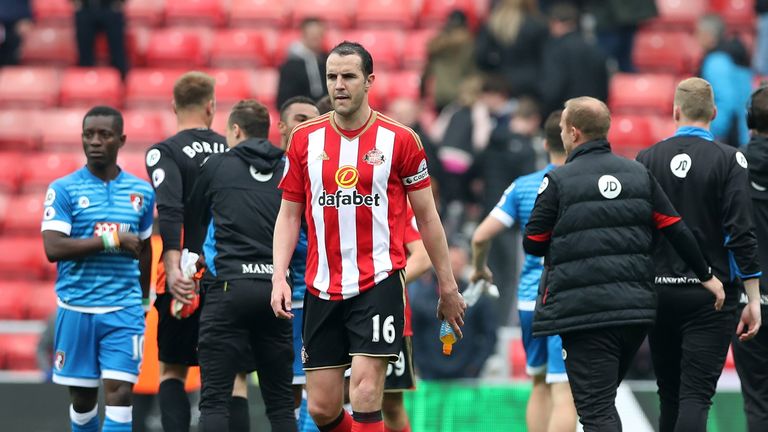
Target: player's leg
x,y
301,410
375,321
706,339
665,341
121,344
239,414
750,364
325,357
400,378
177,350
537,412
76,365
562,416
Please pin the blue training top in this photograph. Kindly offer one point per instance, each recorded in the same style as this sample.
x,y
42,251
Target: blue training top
x,y
82,205
516,205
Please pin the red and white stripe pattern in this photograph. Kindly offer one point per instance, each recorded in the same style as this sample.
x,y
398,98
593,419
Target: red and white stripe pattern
x,y
354,189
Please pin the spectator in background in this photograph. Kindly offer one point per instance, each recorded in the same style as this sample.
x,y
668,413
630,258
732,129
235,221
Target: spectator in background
x,y
479,341
726,66
406,111
571,66
616,25
510,44
449,59
760,59
303,72
324,104
15,23
93,17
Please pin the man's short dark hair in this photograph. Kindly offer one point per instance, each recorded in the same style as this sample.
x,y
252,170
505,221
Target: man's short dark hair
x,y
252,117
295,100
107,111
324,105
496,84
759,110
552,132
353,48
308,21
565,13
193,89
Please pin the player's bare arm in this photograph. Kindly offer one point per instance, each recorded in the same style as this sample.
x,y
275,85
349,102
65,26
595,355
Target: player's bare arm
x,y
285,237
489,228
750,320
145,267
418,261
60,247
451,305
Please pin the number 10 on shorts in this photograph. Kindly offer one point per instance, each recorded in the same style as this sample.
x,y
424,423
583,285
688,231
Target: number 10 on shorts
x,y
387,329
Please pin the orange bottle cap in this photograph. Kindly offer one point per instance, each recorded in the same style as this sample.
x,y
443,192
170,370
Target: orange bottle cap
x,y
447,348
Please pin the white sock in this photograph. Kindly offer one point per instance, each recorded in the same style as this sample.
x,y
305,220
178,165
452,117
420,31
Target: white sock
x,y
119,414
82,418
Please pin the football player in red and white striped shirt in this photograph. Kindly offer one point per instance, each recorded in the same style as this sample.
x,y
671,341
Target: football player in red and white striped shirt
x,y
350,172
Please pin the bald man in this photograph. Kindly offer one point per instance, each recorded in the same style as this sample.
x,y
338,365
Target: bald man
x,y
593,222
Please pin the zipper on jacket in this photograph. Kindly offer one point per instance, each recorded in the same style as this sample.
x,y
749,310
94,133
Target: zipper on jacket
x,y
546,293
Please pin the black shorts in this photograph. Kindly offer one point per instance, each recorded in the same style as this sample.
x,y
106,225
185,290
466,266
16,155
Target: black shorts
x,y
370,324
400,374
176,338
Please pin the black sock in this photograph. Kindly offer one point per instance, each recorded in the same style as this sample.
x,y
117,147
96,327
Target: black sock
x,y
367,417
239,417
174,406
142,406
332,425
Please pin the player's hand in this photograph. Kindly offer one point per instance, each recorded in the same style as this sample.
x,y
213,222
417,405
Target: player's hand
x,y
716,287
750,321
182,288
281,299
450,308
130,243
484,274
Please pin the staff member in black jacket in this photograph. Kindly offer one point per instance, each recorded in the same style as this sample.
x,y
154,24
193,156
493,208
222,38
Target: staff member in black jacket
x,y
750,356
707,183
236,197
594,221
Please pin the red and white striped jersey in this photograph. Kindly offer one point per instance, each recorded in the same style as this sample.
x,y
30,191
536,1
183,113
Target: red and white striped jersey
x,y
353,184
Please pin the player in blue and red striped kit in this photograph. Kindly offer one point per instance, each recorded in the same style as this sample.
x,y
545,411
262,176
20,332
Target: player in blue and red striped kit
x,y
96,226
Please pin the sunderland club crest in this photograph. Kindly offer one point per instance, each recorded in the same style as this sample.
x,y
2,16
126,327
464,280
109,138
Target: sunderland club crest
x,y
374,157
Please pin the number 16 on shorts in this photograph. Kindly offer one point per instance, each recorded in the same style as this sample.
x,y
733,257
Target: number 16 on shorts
x,y
385,329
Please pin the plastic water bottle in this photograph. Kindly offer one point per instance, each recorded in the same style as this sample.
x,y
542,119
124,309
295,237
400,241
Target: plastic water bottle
x,y
448,337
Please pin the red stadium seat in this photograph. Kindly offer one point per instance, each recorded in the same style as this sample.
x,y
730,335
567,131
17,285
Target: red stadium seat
x,y
415,48
49,46
19,130
62,129
736,13
194,12
11,164
386,13
133,163
136,43
41,168
679,14
337,13
25,212
266,90
649,93
248,13
434,12
630,134
19,351
142,129
151,88
673,52
378,95
233,85
86,87
405,84
516,361
53,12
178,47
28,87
386,46
663,128
24,258
144,12
41,301
239,48
13,297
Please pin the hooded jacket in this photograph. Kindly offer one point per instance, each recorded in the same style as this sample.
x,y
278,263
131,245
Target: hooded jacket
x,y
237,198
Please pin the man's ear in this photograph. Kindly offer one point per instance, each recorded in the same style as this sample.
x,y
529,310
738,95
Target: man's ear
x,y
369,82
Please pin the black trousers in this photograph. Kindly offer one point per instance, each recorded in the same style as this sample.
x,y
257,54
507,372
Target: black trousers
x,y
240,333
88,23
10,42
596,362
750,360
689,344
